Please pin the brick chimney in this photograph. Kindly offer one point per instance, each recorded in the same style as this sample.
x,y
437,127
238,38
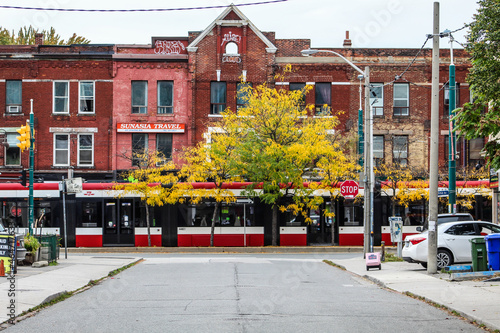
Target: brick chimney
x,y
347,41
39,39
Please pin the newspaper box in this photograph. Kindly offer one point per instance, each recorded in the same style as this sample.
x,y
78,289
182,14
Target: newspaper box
x,y
373,260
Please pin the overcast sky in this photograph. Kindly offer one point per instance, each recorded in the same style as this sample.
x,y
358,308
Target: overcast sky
x,y
380,23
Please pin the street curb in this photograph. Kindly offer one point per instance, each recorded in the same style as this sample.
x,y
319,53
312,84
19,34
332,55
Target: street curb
x,y
257,249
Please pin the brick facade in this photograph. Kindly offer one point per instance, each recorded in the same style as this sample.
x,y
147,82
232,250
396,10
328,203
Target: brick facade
x,y
229,50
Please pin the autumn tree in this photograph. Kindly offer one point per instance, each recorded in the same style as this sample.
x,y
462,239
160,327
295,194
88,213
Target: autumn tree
x,y
279,143
211,162
153,179
26,36
481,117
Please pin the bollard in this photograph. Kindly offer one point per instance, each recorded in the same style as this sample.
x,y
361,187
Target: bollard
x,y
382,251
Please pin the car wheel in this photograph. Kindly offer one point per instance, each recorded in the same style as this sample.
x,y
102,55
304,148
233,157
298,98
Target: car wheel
x,y
444,258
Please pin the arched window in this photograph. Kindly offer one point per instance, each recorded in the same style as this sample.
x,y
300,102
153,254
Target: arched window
x,y
231,48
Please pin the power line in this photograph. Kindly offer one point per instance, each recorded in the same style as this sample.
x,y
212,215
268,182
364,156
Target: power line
x,y
137,10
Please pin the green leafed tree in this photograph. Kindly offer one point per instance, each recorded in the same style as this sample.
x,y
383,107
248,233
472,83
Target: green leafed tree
x,y
26,36
481,117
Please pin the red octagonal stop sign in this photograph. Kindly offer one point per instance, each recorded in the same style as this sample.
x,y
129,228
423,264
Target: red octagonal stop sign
x,y
349,189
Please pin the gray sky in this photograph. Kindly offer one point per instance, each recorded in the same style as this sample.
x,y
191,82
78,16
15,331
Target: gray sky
x,y
380,23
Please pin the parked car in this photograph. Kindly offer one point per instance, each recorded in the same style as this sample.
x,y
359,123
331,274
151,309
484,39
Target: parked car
x,y
453,242
20,249
443,218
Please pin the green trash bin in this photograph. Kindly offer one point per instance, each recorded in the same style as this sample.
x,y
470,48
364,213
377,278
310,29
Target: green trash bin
x,y
479,255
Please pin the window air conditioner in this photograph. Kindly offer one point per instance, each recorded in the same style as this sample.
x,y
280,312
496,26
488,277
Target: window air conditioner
x,y
14,108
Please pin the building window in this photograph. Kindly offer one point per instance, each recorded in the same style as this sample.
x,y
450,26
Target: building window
x,y
299,86
139,97
13,94
61,97
401,99
61,149
446,110
165,97
164,144
378,149
139,147
85,149
231,49
87,93
476,155
12,153
323,98
377,99
400,150
217,97
242,94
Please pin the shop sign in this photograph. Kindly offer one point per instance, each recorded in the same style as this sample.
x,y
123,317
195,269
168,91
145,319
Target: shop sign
x,y
150,128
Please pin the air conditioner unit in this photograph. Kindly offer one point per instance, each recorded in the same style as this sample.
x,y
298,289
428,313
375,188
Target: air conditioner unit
x,y
14,108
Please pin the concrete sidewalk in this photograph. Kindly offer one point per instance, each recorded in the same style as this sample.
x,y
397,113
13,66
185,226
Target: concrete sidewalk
x,y
34,286
476,300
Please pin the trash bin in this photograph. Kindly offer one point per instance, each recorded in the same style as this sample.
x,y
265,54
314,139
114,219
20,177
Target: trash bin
x,y
479,256
493,248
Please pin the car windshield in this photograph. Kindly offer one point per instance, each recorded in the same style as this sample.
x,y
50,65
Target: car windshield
x,y
453,218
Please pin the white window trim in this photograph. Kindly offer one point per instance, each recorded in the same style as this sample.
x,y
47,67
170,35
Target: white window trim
x,y
80,96
5,151
380,102
54,96
146,101
54,149
407,99
93,145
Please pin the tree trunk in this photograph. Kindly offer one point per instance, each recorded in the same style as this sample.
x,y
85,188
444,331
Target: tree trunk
x,y
147,224
275,225
212,229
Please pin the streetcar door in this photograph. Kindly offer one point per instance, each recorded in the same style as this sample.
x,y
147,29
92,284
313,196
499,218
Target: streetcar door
x,y
118,229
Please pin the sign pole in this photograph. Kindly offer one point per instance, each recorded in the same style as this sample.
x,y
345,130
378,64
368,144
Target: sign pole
x,y
31,169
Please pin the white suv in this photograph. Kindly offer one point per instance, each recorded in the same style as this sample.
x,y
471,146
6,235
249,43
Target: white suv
x,y
453,242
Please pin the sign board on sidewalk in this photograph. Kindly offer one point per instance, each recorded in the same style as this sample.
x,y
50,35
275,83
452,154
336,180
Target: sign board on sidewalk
x,y
349,189
5,248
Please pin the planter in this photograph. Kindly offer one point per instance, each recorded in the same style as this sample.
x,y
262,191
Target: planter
x,y
30,258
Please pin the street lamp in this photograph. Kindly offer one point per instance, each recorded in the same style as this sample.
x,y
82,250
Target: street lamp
x,y
368,151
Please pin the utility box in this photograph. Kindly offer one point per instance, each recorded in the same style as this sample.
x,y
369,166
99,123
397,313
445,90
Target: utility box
x,y
479,255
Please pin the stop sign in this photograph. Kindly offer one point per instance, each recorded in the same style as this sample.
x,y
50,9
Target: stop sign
x,y
349,189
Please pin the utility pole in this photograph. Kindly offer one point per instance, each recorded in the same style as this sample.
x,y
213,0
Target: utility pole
x,y
452,182
31,215
368,164
434,151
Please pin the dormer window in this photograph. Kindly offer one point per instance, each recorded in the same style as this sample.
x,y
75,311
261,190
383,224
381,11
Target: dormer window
x,y
231,49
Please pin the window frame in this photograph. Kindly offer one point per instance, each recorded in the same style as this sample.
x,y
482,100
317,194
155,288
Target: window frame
x,y
12,146
135,150
140,108
320,108
85,98
377,108
160,135
55,97
169,108
67,149
294,86
378,160
80,150
398,111
242,96
397,160
215,105
12,105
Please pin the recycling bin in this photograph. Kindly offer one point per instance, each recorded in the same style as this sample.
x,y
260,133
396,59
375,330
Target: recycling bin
x,y
479,255
493,248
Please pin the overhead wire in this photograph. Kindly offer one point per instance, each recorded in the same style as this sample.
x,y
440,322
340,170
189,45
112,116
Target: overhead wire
x,y
136,10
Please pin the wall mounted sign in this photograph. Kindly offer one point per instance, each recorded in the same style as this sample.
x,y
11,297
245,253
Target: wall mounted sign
x,y
150,128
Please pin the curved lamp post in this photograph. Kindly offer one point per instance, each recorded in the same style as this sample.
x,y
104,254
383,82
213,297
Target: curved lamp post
x,y
368,151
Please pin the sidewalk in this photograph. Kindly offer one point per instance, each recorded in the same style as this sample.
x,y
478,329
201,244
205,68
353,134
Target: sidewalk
x,y
34,286
475,300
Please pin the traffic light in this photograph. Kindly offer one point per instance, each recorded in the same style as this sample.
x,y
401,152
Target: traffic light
x,y
22,178
24,137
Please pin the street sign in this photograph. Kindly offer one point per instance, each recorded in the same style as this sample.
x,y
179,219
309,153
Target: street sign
x,y
443,192
349,189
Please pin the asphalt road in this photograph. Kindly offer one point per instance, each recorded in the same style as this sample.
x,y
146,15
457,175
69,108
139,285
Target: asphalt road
x,y
239,293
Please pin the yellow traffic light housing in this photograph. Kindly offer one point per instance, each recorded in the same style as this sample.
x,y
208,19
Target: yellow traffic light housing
x,y
24,137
